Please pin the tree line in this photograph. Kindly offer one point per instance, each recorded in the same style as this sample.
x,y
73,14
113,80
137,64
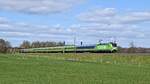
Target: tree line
x,y
5,46
38,44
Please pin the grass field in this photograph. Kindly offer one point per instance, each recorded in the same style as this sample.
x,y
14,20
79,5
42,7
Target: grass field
x,y
83,68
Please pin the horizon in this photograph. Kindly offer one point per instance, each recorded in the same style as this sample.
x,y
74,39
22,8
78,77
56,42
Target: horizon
x,y
89,21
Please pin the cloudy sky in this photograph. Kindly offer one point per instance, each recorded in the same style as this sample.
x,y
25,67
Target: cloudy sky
x,y
88,20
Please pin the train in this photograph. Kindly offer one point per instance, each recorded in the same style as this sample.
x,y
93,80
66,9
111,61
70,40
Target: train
x,y
97,48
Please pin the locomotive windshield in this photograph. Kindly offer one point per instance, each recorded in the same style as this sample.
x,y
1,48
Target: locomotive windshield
x,y
114,44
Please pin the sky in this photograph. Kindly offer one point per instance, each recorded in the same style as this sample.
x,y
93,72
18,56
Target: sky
x,y
123,21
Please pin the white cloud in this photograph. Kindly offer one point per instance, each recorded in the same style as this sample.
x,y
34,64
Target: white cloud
x,y
25,30
111,16
3,20
108,19
110,22
135,17
85,32
94,25
38,6
98,15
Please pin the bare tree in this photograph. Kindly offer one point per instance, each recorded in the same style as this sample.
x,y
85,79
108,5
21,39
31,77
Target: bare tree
x,y
4,46
35,44
132,48
25,44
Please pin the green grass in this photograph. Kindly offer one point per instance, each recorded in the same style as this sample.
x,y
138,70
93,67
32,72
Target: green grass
x,y
83,68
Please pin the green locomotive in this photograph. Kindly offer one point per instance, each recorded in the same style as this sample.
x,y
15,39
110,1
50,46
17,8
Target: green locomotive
x,y
100,47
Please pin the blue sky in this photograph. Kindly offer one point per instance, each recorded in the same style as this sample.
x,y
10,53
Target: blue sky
x,y
88,20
